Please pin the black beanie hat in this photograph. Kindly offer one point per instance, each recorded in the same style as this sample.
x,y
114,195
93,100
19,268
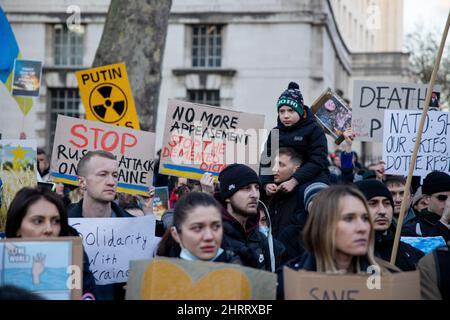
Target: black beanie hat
x,y
435,182
374,188
293,98
234,177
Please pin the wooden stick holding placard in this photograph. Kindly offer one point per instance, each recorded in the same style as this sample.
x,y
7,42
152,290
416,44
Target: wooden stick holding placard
x,y
418,140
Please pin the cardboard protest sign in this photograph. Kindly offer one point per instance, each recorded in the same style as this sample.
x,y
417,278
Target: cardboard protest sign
x,y
201,138
134,150
27,78
305,285
399,134
52,268
111,243
107,95
332,114
17,170
425,244
160,202
372,98
177,279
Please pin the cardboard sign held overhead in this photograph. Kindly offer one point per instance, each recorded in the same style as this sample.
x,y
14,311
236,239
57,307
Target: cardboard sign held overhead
x,y
107,95
332,114
177,279
52,268
305,285
134,150
27,78
201,138
372,98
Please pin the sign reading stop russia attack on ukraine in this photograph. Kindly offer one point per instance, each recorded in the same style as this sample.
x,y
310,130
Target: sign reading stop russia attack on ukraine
x,y
399,138
134,151
107,95
202,138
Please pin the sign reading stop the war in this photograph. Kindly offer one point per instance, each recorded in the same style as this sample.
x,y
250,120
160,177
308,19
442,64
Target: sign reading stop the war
x,y
134,151
107,96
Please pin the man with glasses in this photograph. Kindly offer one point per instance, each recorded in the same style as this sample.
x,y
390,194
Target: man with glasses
x,y
435,219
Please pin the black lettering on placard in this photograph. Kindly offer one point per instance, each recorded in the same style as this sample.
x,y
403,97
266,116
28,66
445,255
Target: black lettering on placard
x,y
381,97
363,91
188,116
64,168
332,294
219,121
443,120
395,99
408,90
375,124
102,75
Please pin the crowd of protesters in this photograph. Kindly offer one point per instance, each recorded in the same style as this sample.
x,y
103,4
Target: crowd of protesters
x,y
302,210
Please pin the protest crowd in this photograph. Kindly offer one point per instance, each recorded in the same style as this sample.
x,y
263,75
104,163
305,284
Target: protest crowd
x,y
307,209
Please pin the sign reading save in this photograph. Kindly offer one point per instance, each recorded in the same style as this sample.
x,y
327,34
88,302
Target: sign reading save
x,y
134,150
107,96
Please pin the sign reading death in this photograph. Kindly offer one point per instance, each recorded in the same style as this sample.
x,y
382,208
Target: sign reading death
x,y
134,150
107,96
202,138
372,98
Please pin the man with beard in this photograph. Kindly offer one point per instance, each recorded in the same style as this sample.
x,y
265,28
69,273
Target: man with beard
x,y
381,209
239,195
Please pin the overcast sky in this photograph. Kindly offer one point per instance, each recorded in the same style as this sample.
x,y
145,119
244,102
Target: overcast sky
x,y
428,14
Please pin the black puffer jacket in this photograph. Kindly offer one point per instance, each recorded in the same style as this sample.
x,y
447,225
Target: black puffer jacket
x,y
308,139
407,256
250,245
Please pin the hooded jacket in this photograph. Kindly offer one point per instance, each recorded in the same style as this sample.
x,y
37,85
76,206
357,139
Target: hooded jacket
x,y
308,139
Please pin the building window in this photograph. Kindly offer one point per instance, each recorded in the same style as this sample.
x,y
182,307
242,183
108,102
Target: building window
x,y
207,46
65,102
211,97
68,46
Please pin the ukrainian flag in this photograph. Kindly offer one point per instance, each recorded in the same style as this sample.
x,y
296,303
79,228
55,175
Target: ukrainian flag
x,y
8,53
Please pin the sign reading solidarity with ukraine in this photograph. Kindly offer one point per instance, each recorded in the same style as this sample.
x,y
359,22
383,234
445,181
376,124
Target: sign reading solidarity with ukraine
x,y
372,98
201,138
134,150
107,96
112,243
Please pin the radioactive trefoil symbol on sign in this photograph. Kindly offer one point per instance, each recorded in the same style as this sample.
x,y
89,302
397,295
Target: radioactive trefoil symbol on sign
x,y
108,103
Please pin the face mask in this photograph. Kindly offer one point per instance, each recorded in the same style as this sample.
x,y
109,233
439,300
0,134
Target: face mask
x,y
264,230
185,254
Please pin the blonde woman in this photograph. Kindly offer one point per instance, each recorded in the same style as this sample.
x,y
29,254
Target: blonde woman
x,y
339,235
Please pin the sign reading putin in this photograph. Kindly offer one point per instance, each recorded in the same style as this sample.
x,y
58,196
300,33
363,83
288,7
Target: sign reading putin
x,y
107,96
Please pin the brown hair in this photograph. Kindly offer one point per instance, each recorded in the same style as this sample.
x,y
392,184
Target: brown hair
x,y
320,230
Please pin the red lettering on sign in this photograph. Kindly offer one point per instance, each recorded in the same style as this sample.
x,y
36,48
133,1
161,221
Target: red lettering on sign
x,y
132,142
74,132
114,143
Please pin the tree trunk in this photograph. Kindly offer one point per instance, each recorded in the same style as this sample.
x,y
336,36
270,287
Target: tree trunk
x,y
135,33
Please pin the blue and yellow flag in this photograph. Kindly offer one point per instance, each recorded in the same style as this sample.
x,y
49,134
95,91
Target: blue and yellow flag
x,y
9,52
